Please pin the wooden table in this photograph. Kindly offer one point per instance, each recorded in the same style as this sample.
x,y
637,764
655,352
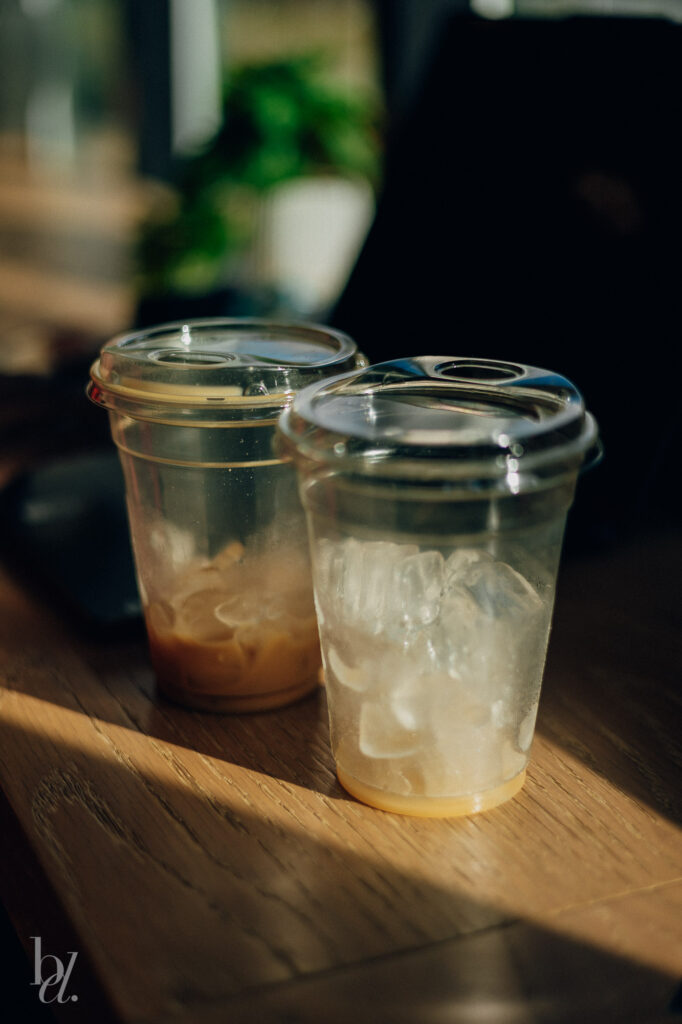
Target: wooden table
x,y
209,869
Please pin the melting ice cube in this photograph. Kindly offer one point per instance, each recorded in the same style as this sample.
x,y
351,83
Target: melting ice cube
x,y
462,631
419,581
324,555
354,678
354,581
196,617
466,751
386,731
502,592
526,729
458,564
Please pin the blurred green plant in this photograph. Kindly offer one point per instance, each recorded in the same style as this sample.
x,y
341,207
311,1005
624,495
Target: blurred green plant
x,y
281,121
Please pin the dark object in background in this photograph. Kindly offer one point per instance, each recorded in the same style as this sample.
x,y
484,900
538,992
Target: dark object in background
x,y
407,34
42,406
149,35
532,212
64,526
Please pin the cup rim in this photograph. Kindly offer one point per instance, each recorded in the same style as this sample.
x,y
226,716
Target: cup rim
x,y
217,379
547,436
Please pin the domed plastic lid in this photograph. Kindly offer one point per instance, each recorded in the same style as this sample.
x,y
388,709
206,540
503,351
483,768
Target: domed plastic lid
x,y
444,418
204,361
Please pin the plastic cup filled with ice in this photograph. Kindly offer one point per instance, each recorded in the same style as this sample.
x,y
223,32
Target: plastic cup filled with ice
x,y
436,491
216,522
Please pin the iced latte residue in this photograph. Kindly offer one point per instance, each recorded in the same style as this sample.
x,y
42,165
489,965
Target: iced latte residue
x,y
433,666
238,631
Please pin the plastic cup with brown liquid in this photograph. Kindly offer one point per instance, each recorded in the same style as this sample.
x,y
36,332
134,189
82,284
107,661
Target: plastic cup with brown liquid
x,y
217,528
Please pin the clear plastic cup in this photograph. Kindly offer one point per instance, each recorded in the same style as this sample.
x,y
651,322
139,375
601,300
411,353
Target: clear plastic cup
x,y
436,491
217,527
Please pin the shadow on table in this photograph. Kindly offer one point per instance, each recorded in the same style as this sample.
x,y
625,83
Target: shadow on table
x,y
611,694
197,908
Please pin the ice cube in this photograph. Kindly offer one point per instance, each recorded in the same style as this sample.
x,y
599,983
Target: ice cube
x,y
353,575
461,629
230,554
526,730
383,733
425,650
407,692
329,572
173,546
380,560
418,585
238,609
513,761
354,581
500,713
198,577
459,563
489,657
466,749
354,678
196,617
502,592
328,561
497,627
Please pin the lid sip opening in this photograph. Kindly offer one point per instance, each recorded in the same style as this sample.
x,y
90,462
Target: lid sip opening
x,y
444,418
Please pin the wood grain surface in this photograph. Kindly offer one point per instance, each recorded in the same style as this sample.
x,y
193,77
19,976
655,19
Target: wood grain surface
x,y
210,867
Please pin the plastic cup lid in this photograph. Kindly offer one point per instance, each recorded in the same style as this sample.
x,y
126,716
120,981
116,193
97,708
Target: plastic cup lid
x,y
443,418
201,361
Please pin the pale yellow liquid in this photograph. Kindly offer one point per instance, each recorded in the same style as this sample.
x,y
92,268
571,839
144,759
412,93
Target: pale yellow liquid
x,y
431,807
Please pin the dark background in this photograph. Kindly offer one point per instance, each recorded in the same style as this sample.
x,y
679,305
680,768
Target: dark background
x,y
531,212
